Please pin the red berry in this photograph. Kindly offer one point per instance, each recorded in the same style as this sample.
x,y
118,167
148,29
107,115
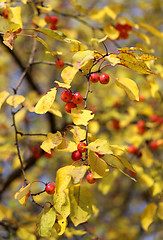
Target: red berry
x,y
18,30
160,120
90,178
124,35
48,155
77,98
69,105
154,118
140,124
47,19
116,124
153,145
36,152
116,104
119,27
127,27
132,149
54,20
80,147
99,155
104,78
66,96
76,155
5,13
50,188
59,64
141,130
141,98
94,77
53,27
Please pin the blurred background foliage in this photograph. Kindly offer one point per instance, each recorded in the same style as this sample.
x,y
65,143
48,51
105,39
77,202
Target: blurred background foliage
x,y
118,201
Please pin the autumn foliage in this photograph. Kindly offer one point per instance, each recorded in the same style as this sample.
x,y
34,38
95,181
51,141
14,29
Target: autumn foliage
x,y
81,120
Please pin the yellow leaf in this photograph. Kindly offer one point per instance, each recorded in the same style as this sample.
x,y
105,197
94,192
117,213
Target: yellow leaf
x,y
81,204
3,96
24,234
160,210
8,39
16,15
100,146
98,166
129,86
60,225
77,46
157,188
45,103
67,146
112,11
4,26
55,110
68,74
147,57
112,59
78,133
39,21
146,154
151,29
154,88
72,231
125,163
78,173
63,85
99,40
22,194
143,37
52,141
147,180
111,32
15,100
81,117
5,213
148,215
78,7
106,184
98,14
81,58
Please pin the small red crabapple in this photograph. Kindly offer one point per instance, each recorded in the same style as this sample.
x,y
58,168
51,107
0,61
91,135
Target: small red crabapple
x,y
5,13
90,178
127,27
124,34
54,20
76,155
153,145
154,118
116,124
132,149
36,152
94,77
59,64
80,147
104,78
69,105
50,188
47,19
49,155
53,27
119,27
66,96
77,98
141,124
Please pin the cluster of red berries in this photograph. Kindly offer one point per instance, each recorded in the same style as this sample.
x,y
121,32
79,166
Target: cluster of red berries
x,y
53,20
77,154
141,127
123,30
134,150
153,145
157,119
50,188
71,99
103,78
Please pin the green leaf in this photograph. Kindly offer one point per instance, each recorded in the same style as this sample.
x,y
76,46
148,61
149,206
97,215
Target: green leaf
x,y
148,215
98,166
53,34
45,103
46,221
81,204
129,86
